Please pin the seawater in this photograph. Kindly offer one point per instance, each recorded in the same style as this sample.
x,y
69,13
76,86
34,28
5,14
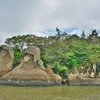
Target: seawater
x,y
50,93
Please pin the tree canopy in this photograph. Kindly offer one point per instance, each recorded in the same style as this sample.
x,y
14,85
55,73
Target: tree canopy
x,y
62,51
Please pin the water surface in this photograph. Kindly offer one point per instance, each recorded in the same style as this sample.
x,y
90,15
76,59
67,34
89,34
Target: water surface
x,y
50,93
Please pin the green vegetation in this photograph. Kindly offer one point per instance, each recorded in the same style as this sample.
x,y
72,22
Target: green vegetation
x,y
61,52
17,58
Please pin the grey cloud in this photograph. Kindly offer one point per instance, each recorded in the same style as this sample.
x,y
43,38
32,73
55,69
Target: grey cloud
x,y
37,16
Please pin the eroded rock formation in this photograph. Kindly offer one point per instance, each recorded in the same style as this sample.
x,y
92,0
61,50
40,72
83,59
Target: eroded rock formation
x,y
6,59
77,78
31,71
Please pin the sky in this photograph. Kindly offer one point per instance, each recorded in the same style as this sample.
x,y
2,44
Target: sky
x,y
41,17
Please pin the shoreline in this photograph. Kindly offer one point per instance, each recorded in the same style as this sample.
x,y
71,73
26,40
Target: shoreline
x,y
85,82
28,82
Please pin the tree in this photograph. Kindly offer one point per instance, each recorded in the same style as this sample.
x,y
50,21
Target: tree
x,y
83,35
62,51
58,31
94,33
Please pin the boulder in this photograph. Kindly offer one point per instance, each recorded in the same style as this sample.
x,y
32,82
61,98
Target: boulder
x,y
6,59
31,71
79,80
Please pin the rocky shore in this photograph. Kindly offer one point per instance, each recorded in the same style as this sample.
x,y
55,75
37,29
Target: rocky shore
x,y
85,82
31,71
28,82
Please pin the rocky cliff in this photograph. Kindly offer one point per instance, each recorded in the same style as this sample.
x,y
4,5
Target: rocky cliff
x,y
6,60
31,71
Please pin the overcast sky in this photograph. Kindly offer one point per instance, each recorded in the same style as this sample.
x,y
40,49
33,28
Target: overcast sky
x,y
41,17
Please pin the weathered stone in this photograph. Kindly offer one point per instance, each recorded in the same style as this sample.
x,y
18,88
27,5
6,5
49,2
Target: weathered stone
x,y
32,69
6,59
86,82
26,59
78,79
34,51
92,75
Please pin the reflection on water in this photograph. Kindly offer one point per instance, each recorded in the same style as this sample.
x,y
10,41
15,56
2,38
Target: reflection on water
x,y
50,93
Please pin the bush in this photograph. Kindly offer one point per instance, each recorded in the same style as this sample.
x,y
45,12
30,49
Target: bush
x,y
17,58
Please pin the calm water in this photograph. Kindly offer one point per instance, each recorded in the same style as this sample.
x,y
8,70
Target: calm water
x,y
50,93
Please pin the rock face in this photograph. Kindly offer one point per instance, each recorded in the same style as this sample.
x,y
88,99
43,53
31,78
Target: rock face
x,y
6,59
31,71
81,80
76,80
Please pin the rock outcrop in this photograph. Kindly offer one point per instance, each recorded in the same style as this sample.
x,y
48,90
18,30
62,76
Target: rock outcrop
x,y
79,79
6,60
31,71
76,80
